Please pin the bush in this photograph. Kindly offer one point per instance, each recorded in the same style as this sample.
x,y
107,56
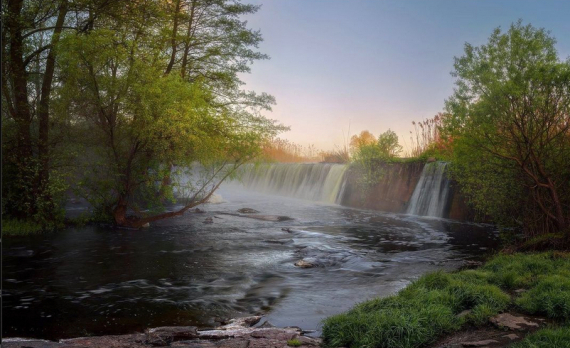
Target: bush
x,y
551,297
547,338
20,228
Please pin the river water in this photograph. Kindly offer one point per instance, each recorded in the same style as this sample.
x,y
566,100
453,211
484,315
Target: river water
x,y
182,271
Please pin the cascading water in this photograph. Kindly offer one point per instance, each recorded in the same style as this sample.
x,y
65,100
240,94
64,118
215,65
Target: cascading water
x,y
321,182
431,193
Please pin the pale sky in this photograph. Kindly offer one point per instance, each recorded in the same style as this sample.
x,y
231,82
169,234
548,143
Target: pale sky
x,y
353,65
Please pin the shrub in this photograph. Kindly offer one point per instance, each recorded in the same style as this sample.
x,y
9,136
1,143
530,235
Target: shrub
x,y
547,338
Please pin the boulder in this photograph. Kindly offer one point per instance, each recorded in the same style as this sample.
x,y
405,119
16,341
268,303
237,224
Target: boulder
x,y
240,323
482,343
511,322
304,264
164,336
247,211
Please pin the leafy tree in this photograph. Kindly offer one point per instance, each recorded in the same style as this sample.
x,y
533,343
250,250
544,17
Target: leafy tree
x,y
388,144
363,139
155,120
510,120
368,157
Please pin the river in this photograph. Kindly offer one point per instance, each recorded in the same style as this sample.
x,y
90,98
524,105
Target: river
x,y
97,280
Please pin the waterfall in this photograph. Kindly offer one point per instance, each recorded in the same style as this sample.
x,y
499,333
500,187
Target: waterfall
x,y
431,193
322,182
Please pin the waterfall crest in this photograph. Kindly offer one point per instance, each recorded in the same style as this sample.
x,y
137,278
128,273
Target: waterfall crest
x,y
431,192
321,182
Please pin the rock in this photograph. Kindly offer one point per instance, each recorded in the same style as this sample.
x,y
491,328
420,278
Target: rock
x,y
512,336
18,342
163,336
199,211
511,322
274,218
472,264
147,225
247,211
268,333
483,343
185,336
464,313
196,344
520,291
208,221
240,323
266,324
304,264
276,334
309,341
431,159
286,229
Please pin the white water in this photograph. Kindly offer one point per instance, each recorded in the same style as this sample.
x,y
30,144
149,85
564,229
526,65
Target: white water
x,y
431,193
320,182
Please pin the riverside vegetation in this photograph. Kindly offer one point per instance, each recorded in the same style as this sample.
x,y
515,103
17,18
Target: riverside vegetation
x,y
428,308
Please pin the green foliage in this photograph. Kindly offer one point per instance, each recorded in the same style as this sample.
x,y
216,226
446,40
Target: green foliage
x,y
20,228
546,338
370,157
156,124
550,296
509,124
429,307
294,343
25,202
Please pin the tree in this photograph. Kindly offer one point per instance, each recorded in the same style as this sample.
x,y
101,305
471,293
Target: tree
x,y
30,33
152,122
510,119
388,144
369,157
363,139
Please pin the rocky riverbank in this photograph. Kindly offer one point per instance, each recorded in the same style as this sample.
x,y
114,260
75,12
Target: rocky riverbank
x,y
238,333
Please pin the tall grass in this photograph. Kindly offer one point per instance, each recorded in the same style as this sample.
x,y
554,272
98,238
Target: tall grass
x,y
430,307
547,338
285,151
20,228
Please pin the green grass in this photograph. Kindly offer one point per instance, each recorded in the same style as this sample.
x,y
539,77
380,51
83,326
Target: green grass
x,y
294,343
429,307
547,338
20,228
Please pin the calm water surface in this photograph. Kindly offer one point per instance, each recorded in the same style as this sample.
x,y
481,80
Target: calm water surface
x,y
97,280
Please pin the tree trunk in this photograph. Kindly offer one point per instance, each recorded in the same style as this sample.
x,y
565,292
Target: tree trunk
x,y
43,108
120,213
23,156
173,39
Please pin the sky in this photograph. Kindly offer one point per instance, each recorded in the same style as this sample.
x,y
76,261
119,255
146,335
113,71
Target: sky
x,y
339,67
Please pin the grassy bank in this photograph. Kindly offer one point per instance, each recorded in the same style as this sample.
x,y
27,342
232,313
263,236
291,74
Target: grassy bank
x,y
547,338
440,303
20,228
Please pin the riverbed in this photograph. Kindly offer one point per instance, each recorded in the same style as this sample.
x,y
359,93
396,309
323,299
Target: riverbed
x,y
98,280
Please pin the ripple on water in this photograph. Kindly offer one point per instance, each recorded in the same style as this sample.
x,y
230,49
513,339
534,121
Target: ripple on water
x,y
95,280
